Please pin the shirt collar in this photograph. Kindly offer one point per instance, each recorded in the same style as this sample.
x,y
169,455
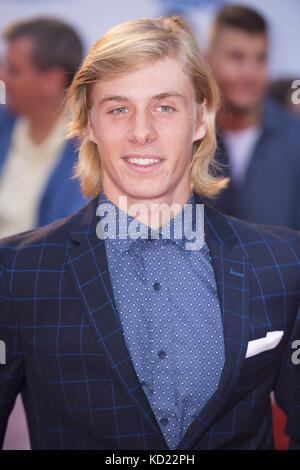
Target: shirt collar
x,y
124,244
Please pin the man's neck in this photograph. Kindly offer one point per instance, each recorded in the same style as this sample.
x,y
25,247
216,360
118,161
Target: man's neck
x,y
155,212
42,121
232,119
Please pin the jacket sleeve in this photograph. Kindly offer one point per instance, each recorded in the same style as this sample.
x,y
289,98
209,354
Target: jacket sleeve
x,y
11,357
287,386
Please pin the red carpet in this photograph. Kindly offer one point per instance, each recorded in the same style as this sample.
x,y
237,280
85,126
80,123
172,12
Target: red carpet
x,y
279,420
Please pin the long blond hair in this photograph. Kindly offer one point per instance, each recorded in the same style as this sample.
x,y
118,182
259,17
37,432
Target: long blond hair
x,y
126,48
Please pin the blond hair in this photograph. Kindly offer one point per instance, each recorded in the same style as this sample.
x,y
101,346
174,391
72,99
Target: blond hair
x,y
126,48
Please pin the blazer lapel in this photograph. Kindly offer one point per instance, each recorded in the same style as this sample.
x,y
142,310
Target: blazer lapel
x,y
88,266
232,278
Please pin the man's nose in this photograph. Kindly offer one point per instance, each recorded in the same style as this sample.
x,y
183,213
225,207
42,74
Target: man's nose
x,y
141,129
250,69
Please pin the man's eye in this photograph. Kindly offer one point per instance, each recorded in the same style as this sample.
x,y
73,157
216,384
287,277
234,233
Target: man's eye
x,y
165,108
237,56
118,111
262,59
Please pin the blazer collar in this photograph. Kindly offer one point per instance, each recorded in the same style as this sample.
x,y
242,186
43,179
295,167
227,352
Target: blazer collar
x,y
123,220
217,226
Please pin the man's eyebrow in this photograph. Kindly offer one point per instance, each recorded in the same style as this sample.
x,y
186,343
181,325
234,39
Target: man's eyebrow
x,y
168,94
160,96
112,98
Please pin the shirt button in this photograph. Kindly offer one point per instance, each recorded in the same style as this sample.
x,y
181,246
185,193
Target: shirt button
x,y
156,286
164,421
162,354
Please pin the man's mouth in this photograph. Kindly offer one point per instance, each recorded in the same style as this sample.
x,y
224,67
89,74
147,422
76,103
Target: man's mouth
x,y
143,161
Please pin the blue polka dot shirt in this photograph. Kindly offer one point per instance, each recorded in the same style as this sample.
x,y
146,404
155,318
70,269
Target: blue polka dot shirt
x,y
166,298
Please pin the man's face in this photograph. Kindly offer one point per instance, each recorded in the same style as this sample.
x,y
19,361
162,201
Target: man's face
x,y
239,64
25,84
143,123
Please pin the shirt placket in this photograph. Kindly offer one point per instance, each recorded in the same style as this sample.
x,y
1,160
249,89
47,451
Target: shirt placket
x,y
163,386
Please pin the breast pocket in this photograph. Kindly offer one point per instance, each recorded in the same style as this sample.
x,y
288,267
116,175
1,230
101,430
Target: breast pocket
x,y
263,359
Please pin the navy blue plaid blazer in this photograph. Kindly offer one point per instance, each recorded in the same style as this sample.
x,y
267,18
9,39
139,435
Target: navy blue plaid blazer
x,y
65,350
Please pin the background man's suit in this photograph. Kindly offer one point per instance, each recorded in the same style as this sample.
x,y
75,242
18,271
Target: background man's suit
x,y
66,351
270,191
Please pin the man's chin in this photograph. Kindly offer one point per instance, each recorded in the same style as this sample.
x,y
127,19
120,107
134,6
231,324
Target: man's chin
x,y
144,196
242,107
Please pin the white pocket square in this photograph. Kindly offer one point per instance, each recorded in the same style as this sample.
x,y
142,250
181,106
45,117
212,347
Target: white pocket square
x,y
259,345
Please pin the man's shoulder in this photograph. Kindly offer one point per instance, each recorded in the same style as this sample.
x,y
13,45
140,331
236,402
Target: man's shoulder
x,y
53,237
262,230
32,243
264,241
281,118
252,238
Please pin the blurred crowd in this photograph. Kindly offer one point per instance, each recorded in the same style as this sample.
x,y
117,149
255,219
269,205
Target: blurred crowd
x,y
258,124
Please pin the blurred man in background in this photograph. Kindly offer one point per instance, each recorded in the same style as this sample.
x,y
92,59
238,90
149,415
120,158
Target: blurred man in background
x,y
41,58
259,140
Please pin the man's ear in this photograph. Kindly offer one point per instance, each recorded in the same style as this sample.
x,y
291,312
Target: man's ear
x,y
89,129
53,81
200,125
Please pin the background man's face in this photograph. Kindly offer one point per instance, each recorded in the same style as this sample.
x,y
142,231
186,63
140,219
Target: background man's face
x,y
25,84
145,114
239,64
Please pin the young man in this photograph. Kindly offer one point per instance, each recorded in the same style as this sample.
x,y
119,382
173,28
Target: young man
x,y
261,140
133,339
